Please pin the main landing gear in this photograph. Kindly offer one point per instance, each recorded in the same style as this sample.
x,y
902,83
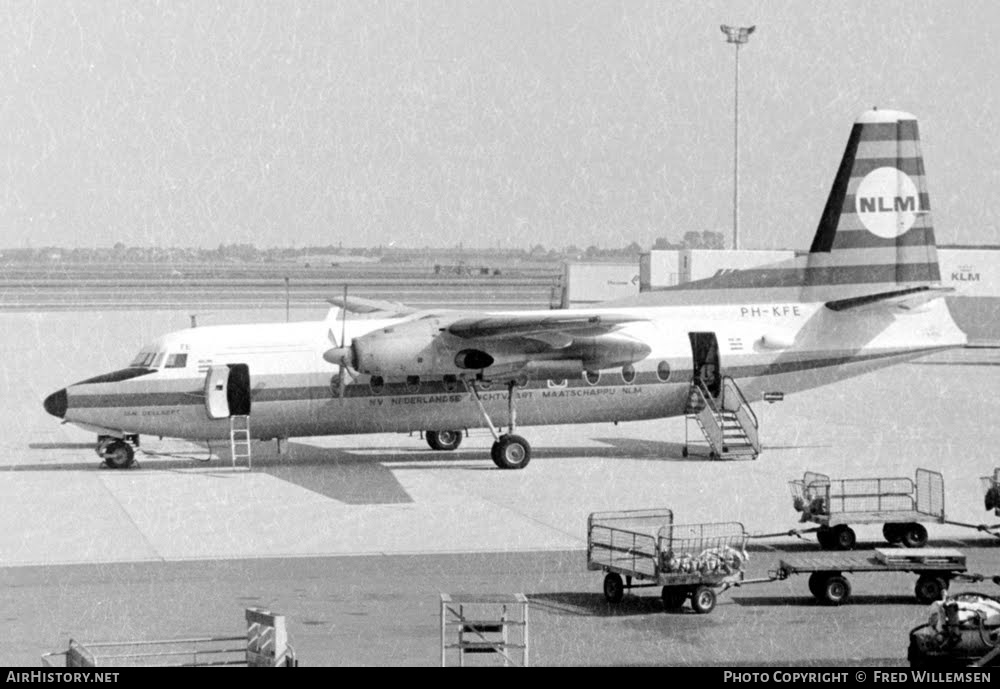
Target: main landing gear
x,y
509,451
444,440
117,453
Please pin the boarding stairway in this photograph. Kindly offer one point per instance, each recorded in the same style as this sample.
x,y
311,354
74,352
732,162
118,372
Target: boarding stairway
x,y
239,439
727,422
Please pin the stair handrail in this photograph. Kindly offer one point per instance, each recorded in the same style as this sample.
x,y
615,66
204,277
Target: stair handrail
x,y
705,395
729,384
708,404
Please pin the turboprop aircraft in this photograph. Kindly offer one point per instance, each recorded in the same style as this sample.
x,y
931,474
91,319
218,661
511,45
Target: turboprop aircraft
x,y
866,295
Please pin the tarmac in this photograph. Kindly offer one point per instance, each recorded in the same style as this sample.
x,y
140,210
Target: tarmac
x,y
354,537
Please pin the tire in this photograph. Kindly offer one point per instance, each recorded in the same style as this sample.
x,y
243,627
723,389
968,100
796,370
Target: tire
x,y
843,538
836,590
892,533
703,600
816,581
929,588
614,589
684,451
825,537
511,452
914,535
119,455
673,597
445,441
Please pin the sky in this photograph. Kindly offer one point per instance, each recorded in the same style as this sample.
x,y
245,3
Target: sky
x,y
490,123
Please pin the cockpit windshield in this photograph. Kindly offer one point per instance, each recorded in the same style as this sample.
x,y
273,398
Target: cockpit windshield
x,y
144,359
152,359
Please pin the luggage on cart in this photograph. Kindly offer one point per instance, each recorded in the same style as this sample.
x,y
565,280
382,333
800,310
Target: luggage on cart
x,y
689,561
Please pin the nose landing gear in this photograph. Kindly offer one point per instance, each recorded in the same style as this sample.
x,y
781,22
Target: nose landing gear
x,y
117,453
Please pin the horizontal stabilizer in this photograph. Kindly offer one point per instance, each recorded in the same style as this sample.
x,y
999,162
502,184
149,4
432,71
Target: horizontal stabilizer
x,y
905,299
370,306
534,327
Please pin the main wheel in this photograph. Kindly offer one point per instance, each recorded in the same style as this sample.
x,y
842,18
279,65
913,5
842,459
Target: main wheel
x,y
673,597
843,537
892,533
914,535
118,454
511,452
703,600
614,589
836,590
444,440
929,588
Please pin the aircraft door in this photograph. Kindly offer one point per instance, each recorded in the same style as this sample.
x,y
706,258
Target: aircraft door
x,y
227,391
707,370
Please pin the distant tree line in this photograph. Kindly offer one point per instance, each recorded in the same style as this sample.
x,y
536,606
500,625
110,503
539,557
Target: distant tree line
x,y
248,253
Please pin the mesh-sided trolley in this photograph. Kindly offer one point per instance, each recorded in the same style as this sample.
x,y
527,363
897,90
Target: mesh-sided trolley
x,y
647,549
900,504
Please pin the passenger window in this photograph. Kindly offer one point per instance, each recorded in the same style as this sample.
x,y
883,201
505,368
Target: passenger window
x,y
177,361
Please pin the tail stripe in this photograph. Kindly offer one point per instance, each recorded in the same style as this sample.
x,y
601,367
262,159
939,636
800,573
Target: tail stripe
x,y
902,130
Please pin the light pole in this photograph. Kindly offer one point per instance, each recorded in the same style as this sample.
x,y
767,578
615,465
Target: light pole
x,y
737,35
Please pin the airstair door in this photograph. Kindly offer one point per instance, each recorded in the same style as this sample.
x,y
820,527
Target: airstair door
x,y
216,394
227,391
705,351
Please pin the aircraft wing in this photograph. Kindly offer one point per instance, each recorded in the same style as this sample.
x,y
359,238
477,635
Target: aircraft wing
x,y
363,305
905,299
547,329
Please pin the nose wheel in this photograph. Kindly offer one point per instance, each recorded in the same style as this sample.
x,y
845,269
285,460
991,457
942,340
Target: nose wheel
x,y
116,452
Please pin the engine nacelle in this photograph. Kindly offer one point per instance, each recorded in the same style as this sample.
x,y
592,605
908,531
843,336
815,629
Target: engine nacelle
x,y
411,348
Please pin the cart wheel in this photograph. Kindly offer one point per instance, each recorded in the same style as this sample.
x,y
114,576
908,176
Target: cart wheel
x,y
892,533
816,582
703,600
843,538
914,535
929,588
836,590
684,451
825,537
673,597
614,589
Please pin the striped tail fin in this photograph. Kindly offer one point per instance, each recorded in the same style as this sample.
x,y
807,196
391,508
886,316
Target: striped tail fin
x,y
876,233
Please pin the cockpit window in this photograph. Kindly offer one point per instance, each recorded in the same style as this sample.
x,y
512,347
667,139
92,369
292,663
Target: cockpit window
x,y
143,360
158,360
177,361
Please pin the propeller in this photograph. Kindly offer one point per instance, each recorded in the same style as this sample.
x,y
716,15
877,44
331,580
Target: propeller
x,y
341,354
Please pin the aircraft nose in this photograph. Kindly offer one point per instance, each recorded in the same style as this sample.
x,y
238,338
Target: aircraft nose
x,y
56,403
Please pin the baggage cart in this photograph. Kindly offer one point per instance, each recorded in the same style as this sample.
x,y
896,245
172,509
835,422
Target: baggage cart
x,y
900,504
935,569
645,547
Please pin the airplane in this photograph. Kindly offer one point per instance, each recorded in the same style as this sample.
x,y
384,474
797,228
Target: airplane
x,y
867,295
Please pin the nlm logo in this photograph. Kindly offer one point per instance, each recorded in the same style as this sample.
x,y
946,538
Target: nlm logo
x,y
880,204
886,202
